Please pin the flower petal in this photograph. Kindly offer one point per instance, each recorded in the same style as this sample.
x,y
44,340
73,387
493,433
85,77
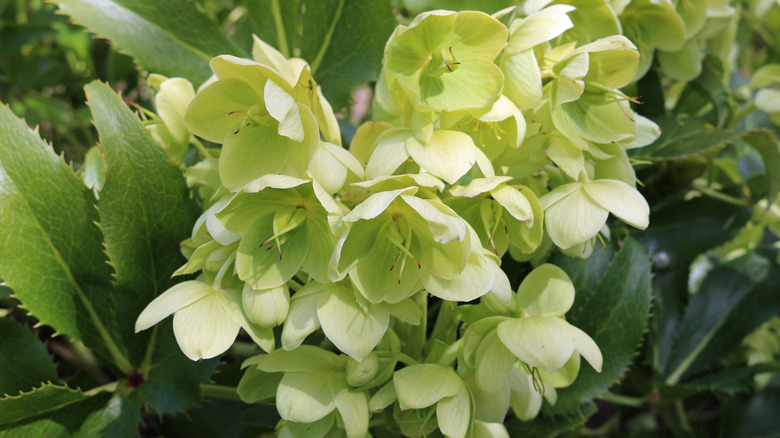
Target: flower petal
x,y
204,329
540,341
448,155
574,218
621,200
173,299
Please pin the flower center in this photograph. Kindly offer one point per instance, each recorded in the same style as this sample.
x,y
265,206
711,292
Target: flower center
x,y
286,219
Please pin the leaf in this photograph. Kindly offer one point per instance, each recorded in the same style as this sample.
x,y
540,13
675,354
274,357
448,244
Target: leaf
x,y
613,313
731,380
24,361
683,135
51,253
753,415
171,38
767,145
145,210
173,383
549,427
120,418
731,302
59,404
681,230
343,40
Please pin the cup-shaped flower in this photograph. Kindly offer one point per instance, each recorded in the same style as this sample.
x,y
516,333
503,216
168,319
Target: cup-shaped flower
x,y
500,213
540,337
206,320
575,212
251,111
447,154
420,386
444,60
523,78
493,129
284,226
171,102
585,103
313,386
398,243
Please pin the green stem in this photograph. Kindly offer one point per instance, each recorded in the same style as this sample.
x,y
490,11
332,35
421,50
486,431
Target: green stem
x,y
406,359
280,33
741,202
624,400
221,274
680,410
445,322
416,342
326,41
221,392
146,365
110,387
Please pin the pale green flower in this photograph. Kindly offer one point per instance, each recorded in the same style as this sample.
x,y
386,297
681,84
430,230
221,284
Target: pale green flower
x,y
444,60
575,212
206,320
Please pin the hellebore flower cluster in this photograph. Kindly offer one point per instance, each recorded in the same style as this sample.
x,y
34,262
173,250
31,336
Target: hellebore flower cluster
x,y
489,141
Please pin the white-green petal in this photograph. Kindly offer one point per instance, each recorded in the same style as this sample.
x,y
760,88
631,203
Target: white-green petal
x,y
267,308
376,204
173,299
389,153
454,414
489,430
448,155
493,362
540,341
216,227
353,407
523,83
171,103
475,280
546,291
305,397
327,170
478,186
515,203
574,218
526,402
585,346
620,199
537,28
445,228
302,318
420,386
273,181
264,53
282,107
204,329
303,358
355,328
345,158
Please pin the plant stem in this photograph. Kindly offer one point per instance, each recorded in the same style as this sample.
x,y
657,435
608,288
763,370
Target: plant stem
x,y
680,409
741,202
280,33
406,359
221,392
624,400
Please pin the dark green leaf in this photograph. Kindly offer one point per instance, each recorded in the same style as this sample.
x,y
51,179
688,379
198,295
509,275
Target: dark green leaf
x,y
173,383
753,415
706,91
683,135
24,361
343,40
732,301
51,253
118,419
613,313
145,210
732,380
767,145
265,15
681,230
168,37
549,426
60,404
